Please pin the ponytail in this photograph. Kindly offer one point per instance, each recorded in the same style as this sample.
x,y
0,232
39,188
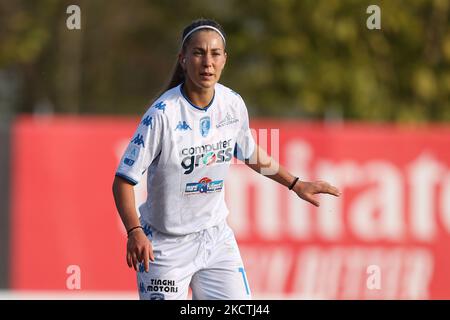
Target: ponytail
x,y
177,77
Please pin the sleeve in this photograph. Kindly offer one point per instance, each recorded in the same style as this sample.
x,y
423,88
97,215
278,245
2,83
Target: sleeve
x,y
144,147
245,144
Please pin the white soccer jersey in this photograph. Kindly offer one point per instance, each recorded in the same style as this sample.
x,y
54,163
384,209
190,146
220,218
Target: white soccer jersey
x,y
187,151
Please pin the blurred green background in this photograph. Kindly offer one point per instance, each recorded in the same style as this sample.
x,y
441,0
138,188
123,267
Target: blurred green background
x,y
305,59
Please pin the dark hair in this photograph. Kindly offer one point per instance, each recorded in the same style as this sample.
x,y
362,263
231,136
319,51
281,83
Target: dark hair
x,y
178,72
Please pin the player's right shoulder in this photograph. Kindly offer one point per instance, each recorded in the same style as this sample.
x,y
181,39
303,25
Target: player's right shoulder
x,y
165,104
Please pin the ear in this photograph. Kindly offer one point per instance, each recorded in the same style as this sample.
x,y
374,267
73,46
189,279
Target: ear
x,y
182,60
225,55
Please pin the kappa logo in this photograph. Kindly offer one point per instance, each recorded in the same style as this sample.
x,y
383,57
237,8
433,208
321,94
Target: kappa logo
x,y
147,230
183,126
138,140
205,125
227,121
160,106
147,121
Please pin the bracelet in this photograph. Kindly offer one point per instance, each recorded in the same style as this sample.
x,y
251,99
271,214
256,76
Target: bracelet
x,y
293,183
131,229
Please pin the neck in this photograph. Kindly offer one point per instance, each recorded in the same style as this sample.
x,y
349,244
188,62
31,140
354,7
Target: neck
x,y
201,97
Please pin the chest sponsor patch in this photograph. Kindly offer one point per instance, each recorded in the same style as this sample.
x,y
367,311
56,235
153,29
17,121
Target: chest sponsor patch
x,y
205,185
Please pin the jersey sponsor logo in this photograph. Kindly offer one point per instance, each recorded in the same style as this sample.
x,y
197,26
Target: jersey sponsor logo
x,y
226,121
182,126
209,158
147,121
219,152
205,125
138,140
160,106
157,296
205,185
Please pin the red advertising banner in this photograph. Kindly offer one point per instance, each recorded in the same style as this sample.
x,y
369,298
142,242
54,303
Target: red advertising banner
x,y
386,237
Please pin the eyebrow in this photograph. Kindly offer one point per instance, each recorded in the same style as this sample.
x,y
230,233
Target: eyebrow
x,y
201,49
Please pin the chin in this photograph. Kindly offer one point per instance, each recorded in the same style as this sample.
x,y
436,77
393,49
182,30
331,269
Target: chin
x,y
207,84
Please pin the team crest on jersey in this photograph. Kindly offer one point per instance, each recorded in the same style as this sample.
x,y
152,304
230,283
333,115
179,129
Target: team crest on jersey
x,y
205,185
205,125
226,121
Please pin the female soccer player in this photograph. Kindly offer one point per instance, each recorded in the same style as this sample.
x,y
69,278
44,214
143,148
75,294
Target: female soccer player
x,y
186,141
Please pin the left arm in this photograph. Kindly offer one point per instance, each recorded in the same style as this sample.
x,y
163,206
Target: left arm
x,y
264,164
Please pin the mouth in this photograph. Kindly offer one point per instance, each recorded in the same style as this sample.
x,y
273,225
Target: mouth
x,y
206,75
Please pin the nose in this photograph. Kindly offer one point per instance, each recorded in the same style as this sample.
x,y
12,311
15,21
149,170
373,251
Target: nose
x,y
207,60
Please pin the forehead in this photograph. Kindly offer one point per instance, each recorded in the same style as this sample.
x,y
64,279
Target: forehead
x,y
206,39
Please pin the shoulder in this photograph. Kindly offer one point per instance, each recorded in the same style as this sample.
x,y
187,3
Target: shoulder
x,y
165,105
228,93
232,97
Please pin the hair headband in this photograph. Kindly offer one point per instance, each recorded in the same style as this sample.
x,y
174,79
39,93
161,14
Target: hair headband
x,y
202,27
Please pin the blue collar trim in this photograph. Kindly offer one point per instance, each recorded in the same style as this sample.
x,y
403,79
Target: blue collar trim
x,y
196,107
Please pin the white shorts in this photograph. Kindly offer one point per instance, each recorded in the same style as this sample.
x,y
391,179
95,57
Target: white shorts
x,y
208,262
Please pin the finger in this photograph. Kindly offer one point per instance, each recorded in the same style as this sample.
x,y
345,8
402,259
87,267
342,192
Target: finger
x,y
312,200
325,187
140,254
134,260
333,191
129,259
146,258
151,255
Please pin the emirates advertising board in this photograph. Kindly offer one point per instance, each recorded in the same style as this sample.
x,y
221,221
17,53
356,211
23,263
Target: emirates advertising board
x,y
385,237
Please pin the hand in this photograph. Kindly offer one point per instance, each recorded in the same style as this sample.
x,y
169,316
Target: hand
x,y
139,249
306,190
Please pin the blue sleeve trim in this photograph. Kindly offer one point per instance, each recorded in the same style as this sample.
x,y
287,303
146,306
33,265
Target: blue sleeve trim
x,y
128,179
238,153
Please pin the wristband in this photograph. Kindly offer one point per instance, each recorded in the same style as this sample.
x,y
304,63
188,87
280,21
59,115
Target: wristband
x,y
293,183
131,229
